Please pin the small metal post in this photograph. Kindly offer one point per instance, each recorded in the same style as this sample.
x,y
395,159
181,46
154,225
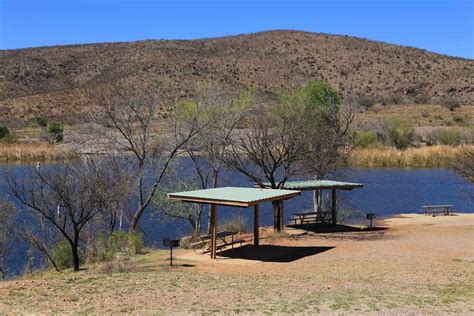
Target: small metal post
x,y
171,254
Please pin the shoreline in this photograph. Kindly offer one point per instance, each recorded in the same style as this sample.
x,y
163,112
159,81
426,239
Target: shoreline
x,y
417,264
439,156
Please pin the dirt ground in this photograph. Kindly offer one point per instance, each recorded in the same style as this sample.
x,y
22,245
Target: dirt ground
x,y
412,264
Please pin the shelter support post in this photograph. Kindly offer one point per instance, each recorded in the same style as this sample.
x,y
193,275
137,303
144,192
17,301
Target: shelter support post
x,y
318,202
315,201
256,225
213,231
333,207
281,221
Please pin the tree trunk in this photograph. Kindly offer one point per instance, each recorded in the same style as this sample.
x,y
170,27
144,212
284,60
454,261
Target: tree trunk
x,y
75,253
276,215
135,220
209,220
197,223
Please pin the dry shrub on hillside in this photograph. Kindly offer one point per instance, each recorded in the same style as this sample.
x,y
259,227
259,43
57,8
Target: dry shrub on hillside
x,y
118,265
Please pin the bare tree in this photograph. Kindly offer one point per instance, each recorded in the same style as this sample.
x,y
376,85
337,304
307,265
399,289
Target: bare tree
x,y
189,212
129,123
7,213
223,112
41,238
465,164
303,136
67,197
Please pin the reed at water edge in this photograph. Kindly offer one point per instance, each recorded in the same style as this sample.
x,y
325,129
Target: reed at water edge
x,y
17,152
422,157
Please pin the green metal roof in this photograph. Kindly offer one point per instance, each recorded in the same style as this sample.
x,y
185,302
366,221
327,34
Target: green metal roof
x,y
233,196
319,184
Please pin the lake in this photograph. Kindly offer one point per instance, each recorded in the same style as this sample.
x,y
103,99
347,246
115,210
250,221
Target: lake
x,y
386,192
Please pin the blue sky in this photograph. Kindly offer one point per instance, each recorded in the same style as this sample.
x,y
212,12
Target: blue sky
x,y
441,26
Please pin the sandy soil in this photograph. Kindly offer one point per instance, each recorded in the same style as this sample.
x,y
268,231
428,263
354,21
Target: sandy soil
x,y
415,265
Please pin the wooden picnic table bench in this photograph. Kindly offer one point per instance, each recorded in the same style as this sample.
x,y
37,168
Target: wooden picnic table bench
x,y
311,217
221,238
437,209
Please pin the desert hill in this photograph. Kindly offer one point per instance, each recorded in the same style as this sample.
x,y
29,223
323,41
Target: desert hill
x,y
51,80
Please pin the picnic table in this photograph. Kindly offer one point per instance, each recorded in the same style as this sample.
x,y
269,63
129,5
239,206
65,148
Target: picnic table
x,y
437,210
311,218
222,239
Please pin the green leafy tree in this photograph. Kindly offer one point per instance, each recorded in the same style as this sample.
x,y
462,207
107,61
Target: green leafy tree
x,y
317,99
56,131
400,132
303,136
364,139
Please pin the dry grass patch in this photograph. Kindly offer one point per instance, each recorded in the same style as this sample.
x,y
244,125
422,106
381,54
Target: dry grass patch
x,y
32,152
423,157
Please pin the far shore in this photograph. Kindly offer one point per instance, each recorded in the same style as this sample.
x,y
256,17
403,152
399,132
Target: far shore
x,y
416,157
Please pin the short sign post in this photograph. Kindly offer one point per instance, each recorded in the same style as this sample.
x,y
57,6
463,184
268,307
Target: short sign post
x,y
370,217
168,242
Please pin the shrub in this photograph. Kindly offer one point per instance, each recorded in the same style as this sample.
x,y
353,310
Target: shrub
x,y
116,244
366,101
186,241
400,133
41,121
56,131
346,214
364,139
450,136
118,265
61,254
422,98
6,135
236,223
451,103
135,243
4,131
459,119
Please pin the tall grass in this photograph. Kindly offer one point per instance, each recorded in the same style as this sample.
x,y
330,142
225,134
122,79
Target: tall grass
x,y
237,223
424,157
32,152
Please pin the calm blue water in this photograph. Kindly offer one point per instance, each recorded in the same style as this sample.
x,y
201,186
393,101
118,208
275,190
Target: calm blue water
x,y
386,192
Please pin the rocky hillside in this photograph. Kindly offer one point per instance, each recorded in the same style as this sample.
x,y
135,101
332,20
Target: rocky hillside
x,y
51,80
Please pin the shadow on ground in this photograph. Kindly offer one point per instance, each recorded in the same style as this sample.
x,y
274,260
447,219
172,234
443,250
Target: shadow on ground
x,y
339,228
272,253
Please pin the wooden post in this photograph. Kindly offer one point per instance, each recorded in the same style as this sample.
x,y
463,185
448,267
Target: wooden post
x,y
333,208
315,201
213,231
318,201
282,217
256,225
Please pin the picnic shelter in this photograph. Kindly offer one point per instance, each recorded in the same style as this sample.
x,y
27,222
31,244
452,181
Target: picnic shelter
x,y
316,186
235,197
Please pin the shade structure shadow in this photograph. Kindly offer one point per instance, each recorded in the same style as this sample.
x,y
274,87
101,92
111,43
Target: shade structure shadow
x,y
339,228
272,253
